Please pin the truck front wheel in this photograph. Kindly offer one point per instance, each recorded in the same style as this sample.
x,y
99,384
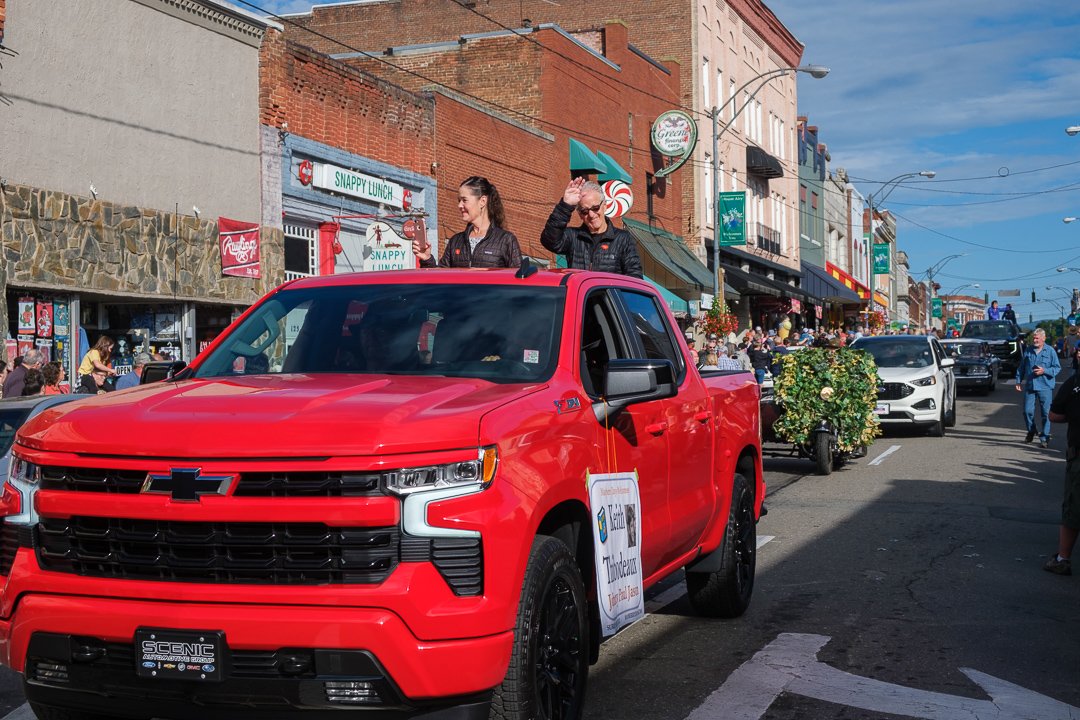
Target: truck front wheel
x,y
726,592
550,660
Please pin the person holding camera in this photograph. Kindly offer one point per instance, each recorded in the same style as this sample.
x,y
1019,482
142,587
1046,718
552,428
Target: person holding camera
x,y
1036,379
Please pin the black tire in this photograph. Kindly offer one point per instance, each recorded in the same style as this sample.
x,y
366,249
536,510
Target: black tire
x,y
550,660
726,592
950,417
938,428
49,712
823,456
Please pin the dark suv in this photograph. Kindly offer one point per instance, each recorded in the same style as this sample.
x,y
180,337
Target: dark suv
x,y
1005,338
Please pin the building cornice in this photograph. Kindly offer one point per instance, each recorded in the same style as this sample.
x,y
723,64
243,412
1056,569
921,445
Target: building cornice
x,y
217,16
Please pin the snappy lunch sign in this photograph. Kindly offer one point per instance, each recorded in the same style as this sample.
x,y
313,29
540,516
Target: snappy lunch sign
x,y
365,187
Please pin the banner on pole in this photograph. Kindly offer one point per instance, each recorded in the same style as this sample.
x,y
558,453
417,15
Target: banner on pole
x,y
935,307
732,214
881,258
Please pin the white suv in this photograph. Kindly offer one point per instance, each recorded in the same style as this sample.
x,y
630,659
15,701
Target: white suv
x,y
917,385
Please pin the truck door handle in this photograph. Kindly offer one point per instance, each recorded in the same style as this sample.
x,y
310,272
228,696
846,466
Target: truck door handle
x,y
656,428
703,417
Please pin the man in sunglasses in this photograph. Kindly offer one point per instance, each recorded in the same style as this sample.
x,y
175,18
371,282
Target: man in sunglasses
x,y
596,244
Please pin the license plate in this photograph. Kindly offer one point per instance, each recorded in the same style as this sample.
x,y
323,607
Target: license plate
x,y
179,654
881,409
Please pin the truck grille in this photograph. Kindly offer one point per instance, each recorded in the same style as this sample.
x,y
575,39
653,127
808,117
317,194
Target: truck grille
x,y
9,546
226,552
251,484
894,391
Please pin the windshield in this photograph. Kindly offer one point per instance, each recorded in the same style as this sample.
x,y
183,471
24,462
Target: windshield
x,y
965,350
898,354
498,332
10,422
989,330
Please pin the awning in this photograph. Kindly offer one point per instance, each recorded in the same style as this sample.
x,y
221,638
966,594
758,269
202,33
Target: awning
x,y
614,170
819,283
849,282
679,307
761,163
752,284
582,159
667,260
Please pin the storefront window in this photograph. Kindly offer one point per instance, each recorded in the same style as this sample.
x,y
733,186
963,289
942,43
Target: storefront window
x,y
42,321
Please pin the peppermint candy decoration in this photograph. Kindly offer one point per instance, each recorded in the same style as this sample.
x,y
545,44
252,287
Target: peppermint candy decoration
x,y
618,197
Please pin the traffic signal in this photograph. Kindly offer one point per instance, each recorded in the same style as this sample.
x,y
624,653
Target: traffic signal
x,y
1033,296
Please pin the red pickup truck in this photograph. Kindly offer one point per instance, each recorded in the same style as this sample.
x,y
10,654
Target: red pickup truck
x,y
369,493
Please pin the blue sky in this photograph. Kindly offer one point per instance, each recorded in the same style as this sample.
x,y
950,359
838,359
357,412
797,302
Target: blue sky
x,y
980,91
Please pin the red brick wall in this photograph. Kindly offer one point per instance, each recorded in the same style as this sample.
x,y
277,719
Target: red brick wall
x,y
564,91
329,102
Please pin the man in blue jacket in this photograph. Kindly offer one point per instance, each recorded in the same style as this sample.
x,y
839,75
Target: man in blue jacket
x,y
1036,378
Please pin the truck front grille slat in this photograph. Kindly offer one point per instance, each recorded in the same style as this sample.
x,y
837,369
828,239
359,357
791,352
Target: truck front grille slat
x,y
251,484
269,553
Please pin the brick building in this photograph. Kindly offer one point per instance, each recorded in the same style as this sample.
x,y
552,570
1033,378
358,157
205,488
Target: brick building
x,y
719,51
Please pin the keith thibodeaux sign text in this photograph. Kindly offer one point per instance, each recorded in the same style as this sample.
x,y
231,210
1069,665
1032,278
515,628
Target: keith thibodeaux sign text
x,y
366,187
616,519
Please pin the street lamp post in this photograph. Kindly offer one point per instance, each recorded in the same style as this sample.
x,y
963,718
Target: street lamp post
x,y
815,71
930,272
883,192
956,291
1072,130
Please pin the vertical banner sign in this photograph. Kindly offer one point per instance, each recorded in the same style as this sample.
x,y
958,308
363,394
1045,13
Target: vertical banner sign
x,y
881,258
616,521
239,248
935,307
732,218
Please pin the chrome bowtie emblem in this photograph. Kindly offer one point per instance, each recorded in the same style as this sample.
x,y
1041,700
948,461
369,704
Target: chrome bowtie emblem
x,y
187,484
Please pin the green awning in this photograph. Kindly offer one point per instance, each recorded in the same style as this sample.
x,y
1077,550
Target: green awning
x,y
667,260
614,171
582,159
680,307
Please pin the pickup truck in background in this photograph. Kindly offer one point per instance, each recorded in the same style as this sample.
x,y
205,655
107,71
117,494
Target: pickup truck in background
x,y
369,494
1006,341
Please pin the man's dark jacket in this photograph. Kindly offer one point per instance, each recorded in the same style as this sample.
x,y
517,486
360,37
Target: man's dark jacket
x,y
611,251
13,384
499,248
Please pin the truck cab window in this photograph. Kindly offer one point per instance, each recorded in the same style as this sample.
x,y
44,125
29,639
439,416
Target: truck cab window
x,y
651,328
601,341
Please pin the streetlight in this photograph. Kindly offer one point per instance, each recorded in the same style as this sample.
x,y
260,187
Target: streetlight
x,y
1055,304
1068,220
957,290
1072,130
883,192
932,270
814,71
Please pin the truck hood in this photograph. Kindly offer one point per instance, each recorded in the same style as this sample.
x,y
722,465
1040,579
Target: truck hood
x,y
275,416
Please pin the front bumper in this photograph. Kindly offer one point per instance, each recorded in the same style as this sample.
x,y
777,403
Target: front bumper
x,y
913,409
261,677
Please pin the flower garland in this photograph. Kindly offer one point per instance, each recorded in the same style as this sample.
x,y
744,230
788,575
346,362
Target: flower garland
x,y
718,320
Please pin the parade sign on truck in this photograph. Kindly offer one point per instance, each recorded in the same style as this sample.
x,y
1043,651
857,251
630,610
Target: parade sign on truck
x,y
615,507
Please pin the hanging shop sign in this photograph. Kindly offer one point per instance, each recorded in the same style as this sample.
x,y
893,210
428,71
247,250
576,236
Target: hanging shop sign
x,y
674,135
732,218
935,307
796,305
881,258
347,182
386,250
239,248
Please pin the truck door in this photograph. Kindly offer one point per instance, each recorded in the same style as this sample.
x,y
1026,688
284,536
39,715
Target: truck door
x,y
635,439
687,421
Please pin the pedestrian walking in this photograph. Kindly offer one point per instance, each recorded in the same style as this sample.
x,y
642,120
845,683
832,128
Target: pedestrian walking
x,y
596,244
485,242
760,360
1066,408
1036,378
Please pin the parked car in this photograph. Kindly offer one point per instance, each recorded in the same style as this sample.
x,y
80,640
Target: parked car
x,y
976,366
917,383
1005,338
15,411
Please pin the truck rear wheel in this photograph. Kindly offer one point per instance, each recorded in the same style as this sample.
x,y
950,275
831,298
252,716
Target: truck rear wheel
x,y
550,660
726,592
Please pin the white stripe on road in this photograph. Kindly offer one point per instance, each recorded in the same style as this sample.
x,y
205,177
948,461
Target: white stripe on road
x,y
882,456
677,590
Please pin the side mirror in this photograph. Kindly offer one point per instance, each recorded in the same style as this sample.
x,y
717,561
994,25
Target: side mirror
x,y
162,370
947,362
627,382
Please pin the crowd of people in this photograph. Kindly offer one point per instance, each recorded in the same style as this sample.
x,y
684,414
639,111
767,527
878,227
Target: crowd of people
x,y
30,375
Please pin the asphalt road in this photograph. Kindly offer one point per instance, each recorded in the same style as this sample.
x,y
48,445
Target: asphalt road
x,y
876,587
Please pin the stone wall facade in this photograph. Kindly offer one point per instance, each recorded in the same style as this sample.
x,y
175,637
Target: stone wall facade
x,y
52,240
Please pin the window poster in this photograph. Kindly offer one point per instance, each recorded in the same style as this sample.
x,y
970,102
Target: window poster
x,y
166,326
26,342
45,347
26,315
44,319
60,353
61,319
11,347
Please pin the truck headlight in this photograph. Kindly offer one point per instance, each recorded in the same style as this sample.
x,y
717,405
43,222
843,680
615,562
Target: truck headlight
x,y
17,501
479,472
924,381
